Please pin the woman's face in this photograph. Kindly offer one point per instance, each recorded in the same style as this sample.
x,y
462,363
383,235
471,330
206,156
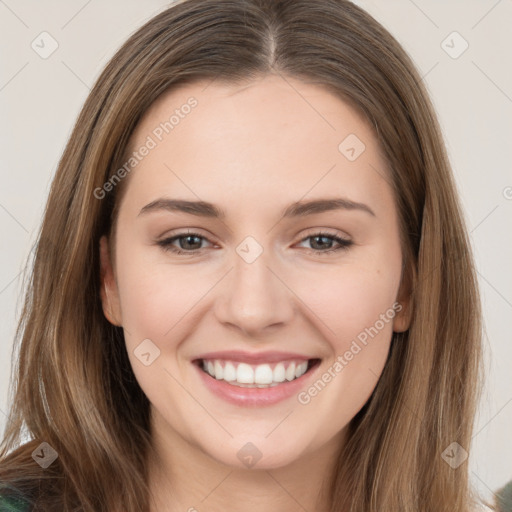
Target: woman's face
x,y
265,287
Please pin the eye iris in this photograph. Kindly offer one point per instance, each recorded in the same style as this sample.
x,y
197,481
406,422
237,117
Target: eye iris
x,y
187,238
321,245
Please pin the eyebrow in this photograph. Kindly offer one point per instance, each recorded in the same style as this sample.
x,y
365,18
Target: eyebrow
x,y
297,209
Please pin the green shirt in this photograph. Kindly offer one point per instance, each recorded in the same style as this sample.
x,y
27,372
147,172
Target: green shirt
x,y
13,504
18,504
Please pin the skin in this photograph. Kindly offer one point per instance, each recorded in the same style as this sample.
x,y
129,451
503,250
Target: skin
x,y
252,149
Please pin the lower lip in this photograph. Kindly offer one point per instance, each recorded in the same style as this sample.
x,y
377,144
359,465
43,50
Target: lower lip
x,y
255,397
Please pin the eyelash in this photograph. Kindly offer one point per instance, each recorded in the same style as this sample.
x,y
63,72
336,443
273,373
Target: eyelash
x,y
166,243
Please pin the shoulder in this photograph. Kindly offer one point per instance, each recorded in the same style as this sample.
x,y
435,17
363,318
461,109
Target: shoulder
x,y
13,503
25,486
504,498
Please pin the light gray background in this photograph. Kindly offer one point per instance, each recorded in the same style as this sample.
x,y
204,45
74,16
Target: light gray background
x,y
40,99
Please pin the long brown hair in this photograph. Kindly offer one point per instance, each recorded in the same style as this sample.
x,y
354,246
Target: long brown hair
x,y
74,388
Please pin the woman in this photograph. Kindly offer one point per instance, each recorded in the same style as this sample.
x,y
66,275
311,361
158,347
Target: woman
x,y
252,372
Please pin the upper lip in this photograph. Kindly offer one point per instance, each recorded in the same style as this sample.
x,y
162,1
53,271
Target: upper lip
x,y
254,357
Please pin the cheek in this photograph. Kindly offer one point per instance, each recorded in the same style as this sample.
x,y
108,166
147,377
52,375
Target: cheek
x,y
347,297
158,303
155,297
357,303
350,298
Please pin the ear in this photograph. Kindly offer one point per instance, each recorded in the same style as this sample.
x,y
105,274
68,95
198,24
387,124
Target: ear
x,y
403,317
108,290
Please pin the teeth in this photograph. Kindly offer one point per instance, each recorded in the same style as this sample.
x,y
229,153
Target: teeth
x,y
235,383
218,370
290,372
244,374
301,369
279,373
261,376
229,372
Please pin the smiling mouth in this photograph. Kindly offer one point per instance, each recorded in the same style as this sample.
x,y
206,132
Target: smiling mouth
x,y
256,375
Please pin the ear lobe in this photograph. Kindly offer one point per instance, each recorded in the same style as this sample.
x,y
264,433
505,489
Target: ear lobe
x,y
108,289
403,317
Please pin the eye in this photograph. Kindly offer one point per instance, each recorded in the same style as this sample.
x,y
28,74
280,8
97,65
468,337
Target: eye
x,y
187,240
190,242
325,240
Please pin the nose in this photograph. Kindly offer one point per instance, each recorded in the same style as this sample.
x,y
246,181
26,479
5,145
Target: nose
x,y
254,298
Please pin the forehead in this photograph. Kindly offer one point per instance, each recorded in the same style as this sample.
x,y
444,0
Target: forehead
x,y
266,138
